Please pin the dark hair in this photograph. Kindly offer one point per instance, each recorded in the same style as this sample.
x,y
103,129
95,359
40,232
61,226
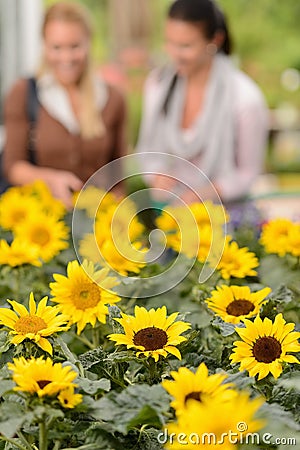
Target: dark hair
x,y
204,12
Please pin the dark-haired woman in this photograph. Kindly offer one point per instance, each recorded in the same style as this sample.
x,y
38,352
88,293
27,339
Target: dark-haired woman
x,y
200,107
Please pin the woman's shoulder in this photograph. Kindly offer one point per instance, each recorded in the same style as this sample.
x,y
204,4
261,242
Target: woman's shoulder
x,y
247,91
158,77
18,89
16,98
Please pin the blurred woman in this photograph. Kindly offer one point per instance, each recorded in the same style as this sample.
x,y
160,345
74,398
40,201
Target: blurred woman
x,y
201,108
81,120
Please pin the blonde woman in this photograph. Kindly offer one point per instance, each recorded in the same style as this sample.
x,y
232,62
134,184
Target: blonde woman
x,y
80,121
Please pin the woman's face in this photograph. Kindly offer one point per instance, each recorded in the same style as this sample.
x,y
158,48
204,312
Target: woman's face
x,y
66,50
186,45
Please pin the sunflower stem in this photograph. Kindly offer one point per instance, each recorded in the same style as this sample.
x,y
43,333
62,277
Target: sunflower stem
x,y
95,337
84,340
43,438
70,357
17,284
24,440
66,351
57,445
13,442
153,374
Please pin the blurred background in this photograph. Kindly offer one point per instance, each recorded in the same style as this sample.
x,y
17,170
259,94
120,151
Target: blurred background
x,y
129,42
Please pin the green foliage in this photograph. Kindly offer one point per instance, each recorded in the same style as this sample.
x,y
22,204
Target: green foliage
x,y
135,406
265,34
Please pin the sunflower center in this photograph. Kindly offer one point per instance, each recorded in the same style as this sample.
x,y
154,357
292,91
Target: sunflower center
x,y
30,324
87,297
194,395
18,215
41,236
266,349
151,338
43,383
239,307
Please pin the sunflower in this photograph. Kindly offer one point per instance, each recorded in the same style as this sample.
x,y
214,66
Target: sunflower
x,y
114,229
265,345
18,253
204,214
234,303
181,230
294,241
47,203
121,219
198,386
46,232
125,257
36,324
151,332
40,376
237,262
211,425
171,218
68,398
209,214
84,293
89,247
15,208
274,236
91,198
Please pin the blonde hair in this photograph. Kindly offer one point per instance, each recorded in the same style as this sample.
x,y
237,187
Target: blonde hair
x,y
90,121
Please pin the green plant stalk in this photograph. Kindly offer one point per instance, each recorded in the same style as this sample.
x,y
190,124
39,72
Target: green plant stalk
x,y
12,441
24,440
17,284
84,340
57,445
152,369
43,435
95,337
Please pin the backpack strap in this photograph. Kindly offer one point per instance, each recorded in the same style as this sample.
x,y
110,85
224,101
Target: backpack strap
x,y
32,112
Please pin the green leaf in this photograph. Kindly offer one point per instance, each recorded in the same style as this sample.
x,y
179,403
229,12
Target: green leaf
x,y
5,386
94,386
145,439
292,383
226,329
279,420
134,406
92,357
273,270
12,417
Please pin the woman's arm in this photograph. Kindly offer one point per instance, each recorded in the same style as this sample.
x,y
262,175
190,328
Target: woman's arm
x,y
120,143
251,125
17,167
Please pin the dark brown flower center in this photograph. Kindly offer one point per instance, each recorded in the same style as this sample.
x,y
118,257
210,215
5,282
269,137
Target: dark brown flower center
x,y
194,395
151,338
239,308
43,383
266,349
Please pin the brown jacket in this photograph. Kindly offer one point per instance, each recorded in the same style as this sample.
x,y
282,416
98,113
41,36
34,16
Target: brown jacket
x,y
55,146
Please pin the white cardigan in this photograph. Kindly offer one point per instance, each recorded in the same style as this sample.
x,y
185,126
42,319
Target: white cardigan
x,y
250,119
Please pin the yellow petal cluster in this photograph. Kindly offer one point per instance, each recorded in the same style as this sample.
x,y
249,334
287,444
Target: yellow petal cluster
x,y
36,324
151,332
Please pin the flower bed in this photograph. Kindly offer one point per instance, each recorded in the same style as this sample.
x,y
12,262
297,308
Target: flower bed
x,y
105,345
